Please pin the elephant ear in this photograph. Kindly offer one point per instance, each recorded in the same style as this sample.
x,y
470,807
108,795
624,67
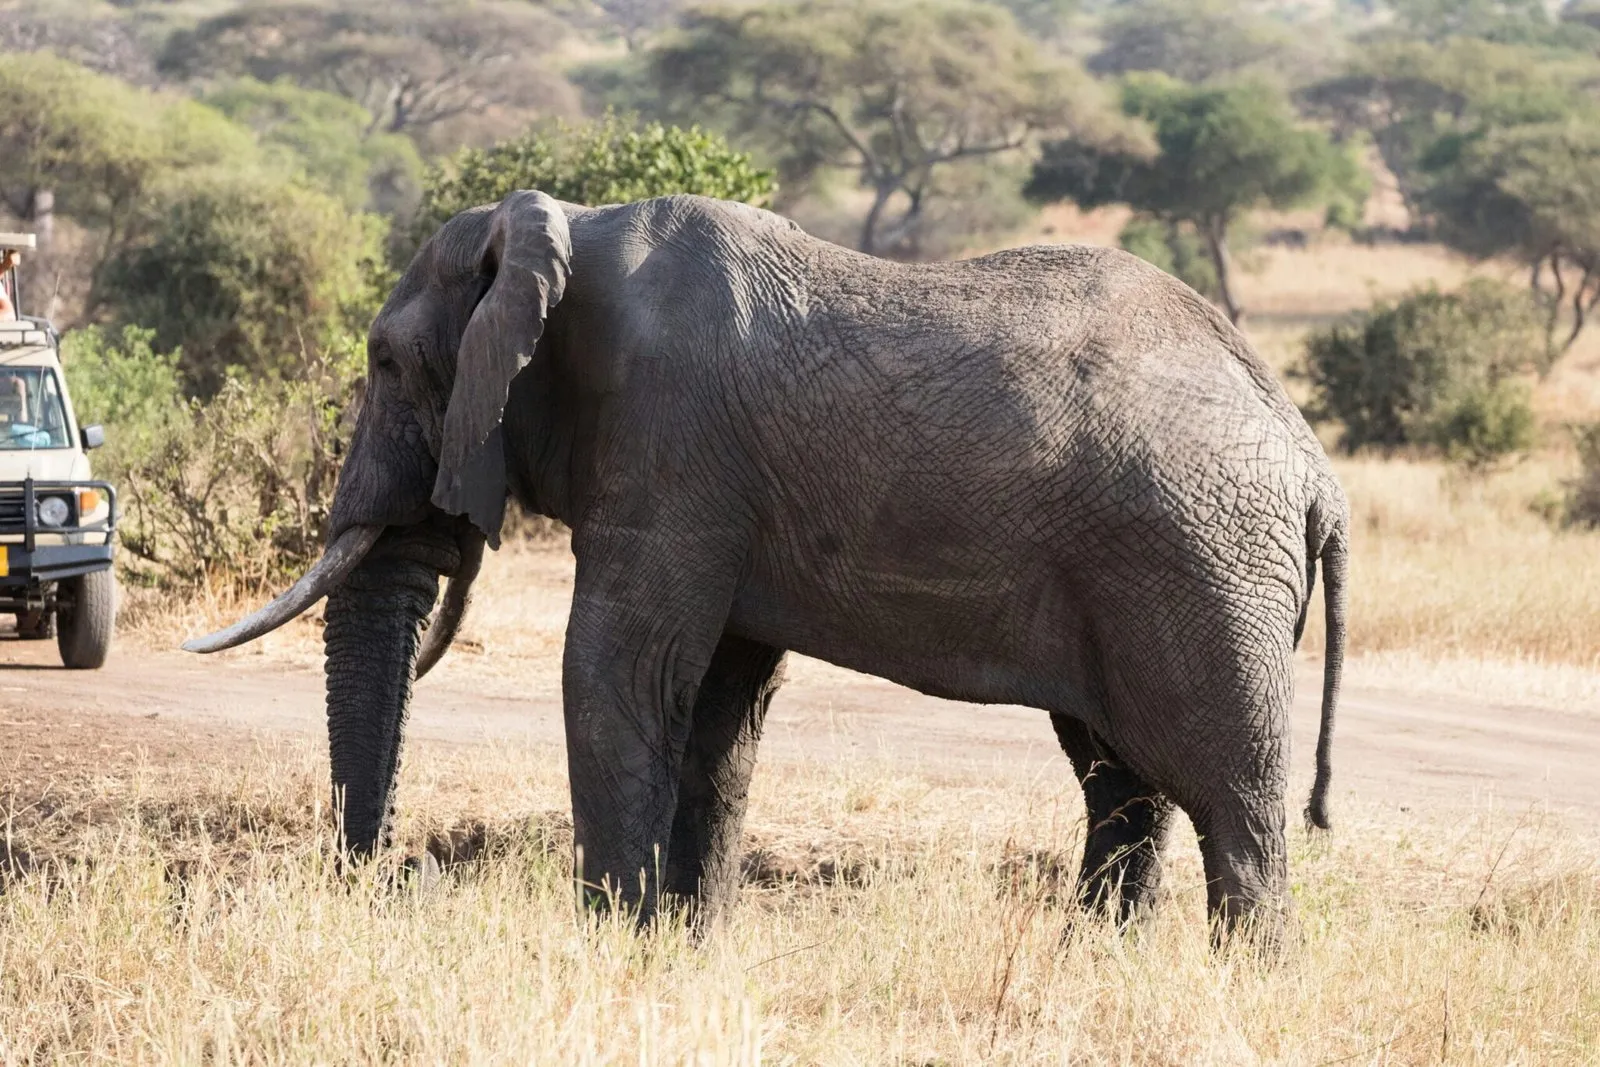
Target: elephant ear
x,y
527,254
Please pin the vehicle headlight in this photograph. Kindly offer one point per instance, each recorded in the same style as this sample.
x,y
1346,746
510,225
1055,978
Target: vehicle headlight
x,y
53,511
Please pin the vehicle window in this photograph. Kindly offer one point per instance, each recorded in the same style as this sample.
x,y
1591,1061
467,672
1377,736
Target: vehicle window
x,y
31,412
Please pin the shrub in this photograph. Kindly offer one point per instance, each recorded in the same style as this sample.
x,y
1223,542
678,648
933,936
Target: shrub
x,y
248,273
233,488
609,161
1436,370
121,381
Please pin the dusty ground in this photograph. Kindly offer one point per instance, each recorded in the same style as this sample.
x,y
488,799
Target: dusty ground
x,y
1396,749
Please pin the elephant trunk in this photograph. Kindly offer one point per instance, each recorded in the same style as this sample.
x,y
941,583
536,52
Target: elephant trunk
x,y
374,625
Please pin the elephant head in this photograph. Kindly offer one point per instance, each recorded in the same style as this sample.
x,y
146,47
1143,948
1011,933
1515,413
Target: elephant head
x,y
424,484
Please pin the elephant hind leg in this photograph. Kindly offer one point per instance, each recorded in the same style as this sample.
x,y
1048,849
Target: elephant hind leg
x,y
1128,824
714,783
1202,712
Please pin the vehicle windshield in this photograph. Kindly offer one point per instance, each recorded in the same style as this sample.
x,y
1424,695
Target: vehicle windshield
x,y
31,413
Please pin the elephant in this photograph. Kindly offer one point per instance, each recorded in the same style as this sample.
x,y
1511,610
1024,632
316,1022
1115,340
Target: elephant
x,y
1052,476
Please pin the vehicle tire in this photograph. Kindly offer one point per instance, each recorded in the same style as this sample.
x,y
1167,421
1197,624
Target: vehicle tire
x,y
36,625
83,631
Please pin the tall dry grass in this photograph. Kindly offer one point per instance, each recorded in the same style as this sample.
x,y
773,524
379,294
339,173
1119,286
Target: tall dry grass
x,y
191,915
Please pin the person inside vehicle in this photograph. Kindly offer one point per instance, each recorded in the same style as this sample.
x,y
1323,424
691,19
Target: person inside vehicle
x,y
13,399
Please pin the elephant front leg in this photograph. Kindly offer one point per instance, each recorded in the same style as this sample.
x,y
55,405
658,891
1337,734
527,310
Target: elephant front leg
x,y
643,629
714,784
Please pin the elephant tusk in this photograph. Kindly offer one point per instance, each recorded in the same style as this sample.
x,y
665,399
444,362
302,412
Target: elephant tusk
x,y
446,621
337,562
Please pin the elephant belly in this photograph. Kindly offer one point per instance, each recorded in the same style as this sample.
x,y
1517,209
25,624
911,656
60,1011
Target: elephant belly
x,y
988,636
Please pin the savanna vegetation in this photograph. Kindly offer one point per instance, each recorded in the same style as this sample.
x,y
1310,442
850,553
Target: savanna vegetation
x,y
1398,200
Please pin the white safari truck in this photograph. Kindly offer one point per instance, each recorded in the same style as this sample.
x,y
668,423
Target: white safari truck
x,y
57,524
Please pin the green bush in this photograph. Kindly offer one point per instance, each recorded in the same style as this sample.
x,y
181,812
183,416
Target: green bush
x,y
235,488
123,382
609,161
248,273
1435,370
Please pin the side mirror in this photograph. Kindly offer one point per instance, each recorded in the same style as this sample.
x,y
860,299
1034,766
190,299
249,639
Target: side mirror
x,y
93,437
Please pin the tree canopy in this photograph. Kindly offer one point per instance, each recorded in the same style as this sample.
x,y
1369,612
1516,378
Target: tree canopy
x,y
324,136
411,64
890,92
1529,191
249,272
1198,41
1221,151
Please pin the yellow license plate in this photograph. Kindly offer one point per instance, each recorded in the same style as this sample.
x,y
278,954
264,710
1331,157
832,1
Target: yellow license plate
x,y
5,561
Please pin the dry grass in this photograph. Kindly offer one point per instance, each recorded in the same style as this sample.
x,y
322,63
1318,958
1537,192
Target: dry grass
x,y
1448,566
188,914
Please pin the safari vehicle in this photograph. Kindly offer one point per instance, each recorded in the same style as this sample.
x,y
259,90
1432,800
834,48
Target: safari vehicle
x,y
57,524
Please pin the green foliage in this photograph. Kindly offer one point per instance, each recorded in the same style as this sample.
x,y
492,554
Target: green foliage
x,y
327,139
248,273
235,488
1530,191
1436,370
610,161
1496,147
1175,248
890,92
122,381
1220,151
1407,95
87,137
1198,41
1484,424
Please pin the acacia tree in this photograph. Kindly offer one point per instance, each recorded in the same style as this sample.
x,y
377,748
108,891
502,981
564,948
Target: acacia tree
x,y
1530,191
1221,151
412,64
891,92
1406,95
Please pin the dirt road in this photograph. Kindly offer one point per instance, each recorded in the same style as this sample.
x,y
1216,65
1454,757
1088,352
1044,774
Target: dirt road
x,y
1392,749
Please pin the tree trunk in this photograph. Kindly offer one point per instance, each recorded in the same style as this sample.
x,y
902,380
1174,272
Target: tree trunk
x,y
1216,237
868,241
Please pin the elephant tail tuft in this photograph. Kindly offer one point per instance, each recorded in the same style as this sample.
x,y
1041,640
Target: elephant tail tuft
x,y
1335,555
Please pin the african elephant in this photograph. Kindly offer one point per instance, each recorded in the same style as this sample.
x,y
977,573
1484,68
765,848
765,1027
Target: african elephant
x,y
1051,476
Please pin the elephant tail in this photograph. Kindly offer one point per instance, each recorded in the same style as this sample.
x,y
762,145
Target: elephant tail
x,y
1335,555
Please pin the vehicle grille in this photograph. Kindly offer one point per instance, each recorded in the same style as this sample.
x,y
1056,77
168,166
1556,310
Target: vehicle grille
x,y
11,509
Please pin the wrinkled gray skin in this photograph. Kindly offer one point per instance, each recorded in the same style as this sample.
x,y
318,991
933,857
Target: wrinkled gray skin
x,y
1052,476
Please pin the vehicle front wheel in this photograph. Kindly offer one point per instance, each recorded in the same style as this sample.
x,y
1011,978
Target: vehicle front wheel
x,y
85,618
